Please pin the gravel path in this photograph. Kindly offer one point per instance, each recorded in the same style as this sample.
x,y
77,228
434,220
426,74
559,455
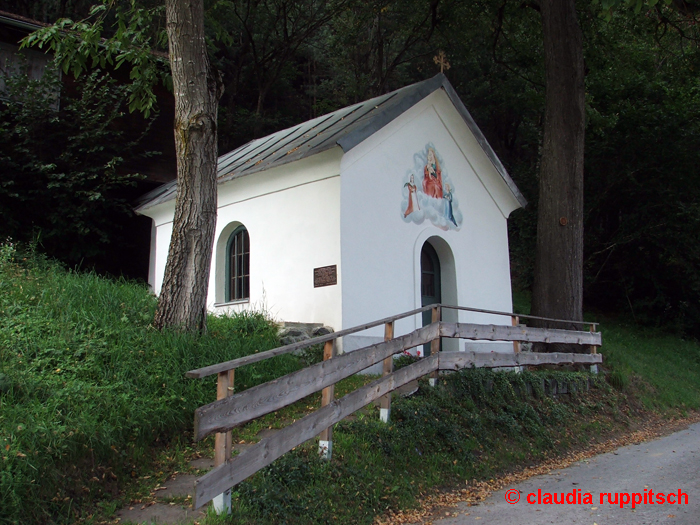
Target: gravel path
x,y
662,467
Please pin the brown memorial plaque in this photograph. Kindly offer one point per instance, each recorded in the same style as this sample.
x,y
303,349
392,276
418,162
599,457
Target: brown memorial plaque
x,y
325,276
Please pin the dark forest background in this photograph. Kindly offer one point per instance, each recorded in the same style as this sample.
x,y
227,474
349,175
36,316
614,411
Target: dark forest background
x,y
285,61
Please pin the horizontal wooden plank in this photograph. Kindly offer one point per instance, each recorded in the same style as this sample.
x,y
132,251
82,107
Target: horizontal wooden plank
x,y
261,356
459,360
522,316
225,414
249,461
518,333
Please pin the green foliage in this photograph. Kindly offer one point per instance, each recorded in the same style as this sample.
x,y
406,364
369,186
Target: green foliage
x,y
113,34
311,355
471,425
608,7
283,63
47,11
87,387
404,360
260,46
374,46
62,159
662,370
643,216
618,379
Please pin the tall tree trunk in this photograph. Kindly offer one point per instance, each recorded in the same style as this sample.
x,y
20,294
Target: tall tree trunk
x,y
558,284
182,301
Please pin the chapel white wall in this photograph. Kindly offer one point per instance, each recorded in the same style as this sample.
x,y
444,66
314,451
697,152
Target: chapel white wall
x,y
380,253
161,232
293,220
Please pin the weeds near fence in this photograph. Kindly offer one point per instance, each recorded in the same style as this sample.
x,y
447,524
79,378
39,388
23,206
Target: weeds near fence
x,y
473,424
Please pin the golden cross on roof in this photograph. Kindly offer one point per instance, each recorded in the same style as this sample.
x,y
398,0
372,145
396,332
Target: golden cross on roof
x,y
441,60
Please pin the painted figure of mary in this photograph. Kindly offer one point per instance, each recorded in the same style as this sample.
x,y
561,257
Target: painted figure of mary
x,y
412,198
448,204
432,176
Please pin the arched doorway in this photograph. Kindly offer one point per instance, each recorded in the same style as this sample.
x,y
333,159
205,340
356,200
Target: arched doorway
x,y
430,284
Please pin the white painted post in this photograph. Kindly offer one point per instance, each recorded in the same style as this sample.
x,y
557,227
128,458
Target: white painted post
x,y
223,442
594,350
325,449
387,368
325,442
434,345
515,321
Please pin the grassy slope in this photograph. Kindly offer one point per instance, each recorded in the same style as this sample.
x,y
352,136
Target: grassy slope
x,y
662,370
87,389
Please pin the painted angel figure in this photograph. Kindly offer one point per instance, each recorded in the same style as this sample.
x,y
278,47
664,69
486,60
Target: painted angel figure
x,y
449,215
432,176
412,197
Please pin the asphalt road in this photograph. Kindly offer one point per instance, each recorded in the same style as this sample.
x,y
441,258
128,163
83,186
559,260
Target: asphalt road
x,y
664,466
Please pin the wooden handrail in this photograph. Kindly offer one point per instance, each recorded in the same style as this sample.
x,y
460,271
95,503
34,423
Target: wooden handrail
x,y
254,358
249,461
227,413
491,332
512,314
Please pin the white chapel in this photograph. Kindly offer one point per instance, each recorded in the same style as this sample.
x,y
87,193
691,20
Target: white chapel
x,y
361,214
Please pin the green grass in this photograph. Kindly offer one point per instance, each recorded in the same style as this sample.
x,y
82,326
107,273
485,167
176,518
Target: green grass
x,y
87,387
662,369
95,409
472,425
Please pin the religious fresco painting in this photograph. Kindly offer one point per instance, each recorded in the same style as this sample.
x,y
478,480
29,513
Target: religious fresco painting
x,y
428,192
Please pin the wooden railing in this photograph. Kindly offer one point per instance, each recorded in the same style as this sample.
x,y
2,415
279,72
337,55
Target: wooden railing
x,y
231,410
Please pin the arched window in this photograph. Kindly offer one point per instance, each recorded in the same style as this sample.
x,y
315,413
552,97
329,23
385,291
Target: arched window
x,y
238,265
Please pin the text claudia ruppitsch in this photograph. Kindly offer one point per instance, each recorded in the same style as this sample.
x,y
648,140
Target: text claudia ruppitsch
x,y
578,497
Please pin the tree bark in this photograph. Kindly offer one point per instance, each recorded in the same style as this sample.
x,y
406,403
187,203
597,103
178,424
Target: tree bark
x,y
558,283
182,302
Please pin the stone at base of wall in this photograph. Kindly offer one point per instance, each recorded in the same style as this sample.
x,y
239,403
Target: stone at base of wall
x,y
290,333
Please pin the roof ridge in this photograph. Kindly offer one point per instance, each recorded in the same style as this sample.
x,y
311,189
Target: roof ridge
x,y
305,140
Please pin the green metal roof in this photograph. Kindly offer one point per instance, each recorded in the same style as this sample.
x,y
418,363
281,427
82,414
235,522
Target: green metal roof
x,y
346,128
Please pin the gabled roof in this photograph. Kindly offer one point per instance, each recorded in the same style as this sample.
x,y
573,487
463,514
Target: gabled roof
x,y
346,128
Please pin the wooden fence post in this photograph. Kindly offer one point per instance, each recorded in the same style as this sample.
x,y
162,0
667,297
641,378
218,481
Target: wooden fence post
x,y
516,344
388,368
435,345
222,441
593,350
325,443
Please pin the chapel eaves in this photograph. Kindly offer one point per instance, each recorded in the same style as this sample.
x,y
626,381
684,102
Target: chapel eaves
x,y
346,127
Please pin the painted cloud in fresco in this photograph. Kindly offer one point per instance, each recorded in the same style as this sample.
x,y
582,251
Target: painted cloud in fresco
x,y
428,192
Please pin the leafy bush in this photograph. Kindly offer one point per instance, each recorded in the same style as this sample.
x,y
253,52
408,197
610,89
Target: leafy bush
x,y
87,386
62,163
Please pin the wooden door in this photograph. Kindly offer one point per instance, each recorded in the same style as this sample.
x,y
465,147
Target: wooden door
x,y
429,284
